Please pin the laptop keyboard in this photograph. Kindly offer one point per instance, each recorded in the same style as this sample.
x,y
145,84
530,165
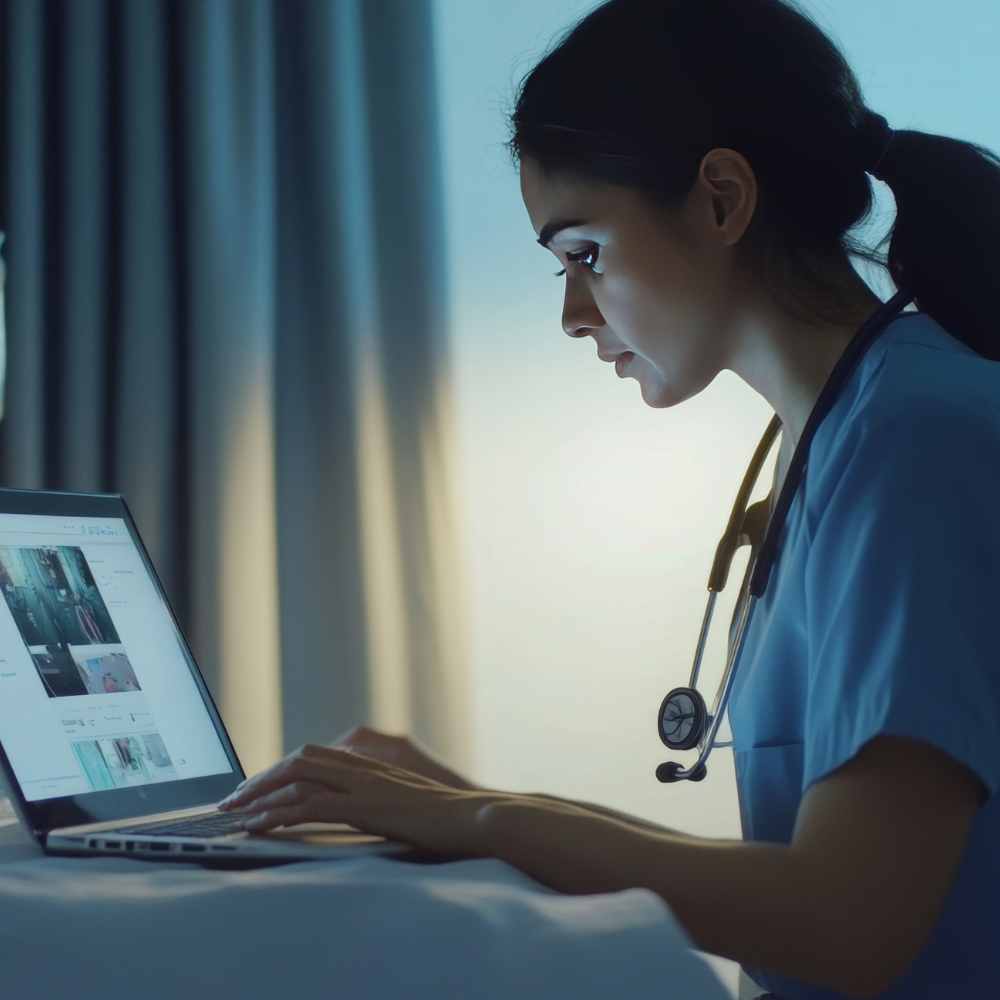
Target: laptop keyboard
x,y
212,825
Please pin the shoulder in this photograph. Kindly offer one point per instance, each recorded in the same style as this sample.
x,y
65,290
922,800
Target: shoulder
x,y
927,373
921,394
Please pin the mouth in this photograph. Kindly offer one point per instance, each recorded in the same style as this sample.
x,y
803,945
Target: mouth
x,y
621,361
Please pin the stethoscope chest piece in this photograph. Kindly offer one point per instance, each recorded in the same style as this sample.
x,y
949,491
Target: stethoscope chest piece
x,y
682,721
683,718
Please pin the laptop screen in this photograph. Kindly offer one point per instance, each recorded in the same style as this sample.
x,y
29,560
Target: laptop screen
x,y
96,690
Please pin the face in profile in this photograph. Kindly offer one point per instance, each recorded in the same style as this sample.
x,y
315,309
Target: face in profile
x,y
637,283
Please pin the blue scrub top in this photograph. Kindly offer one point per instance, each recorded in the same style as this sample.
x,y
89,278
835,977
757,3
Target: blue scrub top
x,y
881,616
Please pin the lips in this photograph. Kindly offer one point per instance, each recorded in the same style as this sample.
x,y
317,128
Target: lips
x,y
622,361
611,357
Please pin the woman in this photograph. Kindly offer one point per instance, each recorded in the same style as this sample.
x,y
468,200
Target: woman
x,y
696,168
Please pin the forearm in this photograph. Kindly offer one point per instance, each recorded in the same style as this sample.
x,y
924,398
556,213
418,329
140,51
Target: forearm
x,y
754,903
622,817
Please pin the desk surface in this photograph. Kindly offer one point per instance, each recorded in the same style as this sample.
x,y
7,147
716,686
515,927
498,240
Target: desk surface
x,y
15,844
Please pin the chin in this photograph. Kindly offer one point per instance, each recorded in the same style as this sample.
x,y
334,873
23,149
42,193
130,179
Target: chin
x,y
655,393
660,394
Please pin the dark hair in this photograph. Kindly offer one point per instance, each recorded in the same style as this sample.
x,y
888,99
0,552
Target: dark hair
x,y
638,91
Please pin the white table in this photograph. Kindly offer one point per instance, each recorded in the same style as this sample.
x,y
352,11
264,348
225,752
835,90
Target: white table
x,y
360,929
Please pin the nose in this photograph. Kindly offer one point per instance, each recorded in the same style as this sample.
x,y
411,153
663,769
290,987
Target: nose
x,y
580,315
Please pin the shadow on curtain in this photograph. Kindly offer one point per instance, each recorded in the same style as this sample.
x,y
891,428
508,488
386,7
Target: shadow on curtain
x,y
225,300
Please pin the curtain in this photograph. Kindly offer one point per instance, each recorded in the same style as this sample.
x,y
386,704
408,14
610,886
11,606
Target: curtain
x,y
225,300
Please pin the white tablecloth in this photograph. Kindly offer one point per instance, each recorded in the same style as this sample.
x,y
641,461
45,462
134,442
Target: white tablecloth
x,y
370,927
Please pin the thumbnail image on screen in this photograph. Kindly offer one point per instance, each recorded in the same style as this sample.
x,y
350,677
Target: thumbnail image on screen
x,y
66,671
59,611
124,760
53,597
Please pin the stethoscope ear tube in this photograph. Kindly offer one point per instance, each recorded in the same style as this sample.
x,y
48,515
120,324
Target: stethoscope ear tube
x,y
738,531
669,772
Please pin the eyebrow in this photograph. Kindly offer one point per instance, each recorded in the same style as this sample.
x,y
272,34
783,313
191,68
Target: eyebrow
x,y
557,226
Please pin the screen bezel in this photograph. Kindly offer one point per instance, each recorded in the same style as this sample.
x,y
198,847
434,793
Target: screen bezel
x,y
44,815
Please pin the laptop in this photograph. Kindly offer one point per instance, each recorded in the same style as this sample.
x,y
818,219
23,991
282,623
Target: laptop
x,y
110,741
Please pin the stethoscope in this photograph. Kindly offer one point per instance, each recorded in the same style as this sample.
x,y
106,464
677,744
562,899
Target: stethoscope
x,y
683,721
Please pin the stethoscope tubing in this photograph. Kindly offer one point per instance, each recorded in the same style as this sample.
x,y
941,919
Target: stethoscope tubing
x,y
708,744
762,557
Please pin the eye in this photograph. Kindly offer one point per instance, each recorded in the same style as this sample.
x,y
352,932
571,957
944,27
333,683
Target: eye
x,y
580,256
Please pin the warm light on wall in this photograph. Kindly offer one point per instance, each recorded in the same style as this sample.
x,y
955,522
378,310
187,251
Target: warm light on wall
x,y
388,668
248,631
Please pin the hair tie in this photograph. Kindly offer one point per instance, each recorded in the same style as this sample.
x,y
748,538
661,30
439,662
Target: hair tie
x,y
878,138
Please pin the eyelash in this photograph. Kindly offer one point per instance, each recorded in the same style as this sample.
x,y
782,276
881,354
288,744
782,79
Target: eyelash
x,y
578,256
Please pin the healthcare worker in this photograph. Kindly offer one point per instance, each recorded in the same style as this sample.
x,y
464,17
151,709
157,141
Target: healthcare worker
x,y
696,168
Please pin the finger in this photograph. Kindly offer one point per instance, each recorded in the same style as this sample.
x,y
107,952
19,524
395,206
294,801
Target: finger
x,y
352,754
284,771
362,736
370,743
280,816
356,752
314,752
333,773
290,795
319,809
238,794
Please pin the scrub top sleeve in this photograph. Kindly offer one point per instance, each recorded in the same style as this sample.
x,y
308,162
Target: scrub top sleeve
x,y
903,590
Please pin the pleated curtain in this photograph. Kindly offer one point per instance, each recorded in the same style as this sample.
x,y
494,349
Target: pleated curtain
x,y
226,300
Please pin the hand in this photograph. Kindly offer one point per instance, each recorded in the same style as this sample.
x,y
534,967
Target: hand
x,y
331,785
402,751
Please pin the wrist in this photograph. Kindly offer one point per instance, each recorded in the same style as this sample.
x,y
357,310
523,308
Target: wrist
x,y
495,817
554,842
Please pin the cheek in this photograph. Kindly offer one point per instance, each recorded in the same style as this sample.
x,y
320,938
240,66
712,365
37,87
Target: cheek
x,y
648,297
649,328
649,302
631,309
